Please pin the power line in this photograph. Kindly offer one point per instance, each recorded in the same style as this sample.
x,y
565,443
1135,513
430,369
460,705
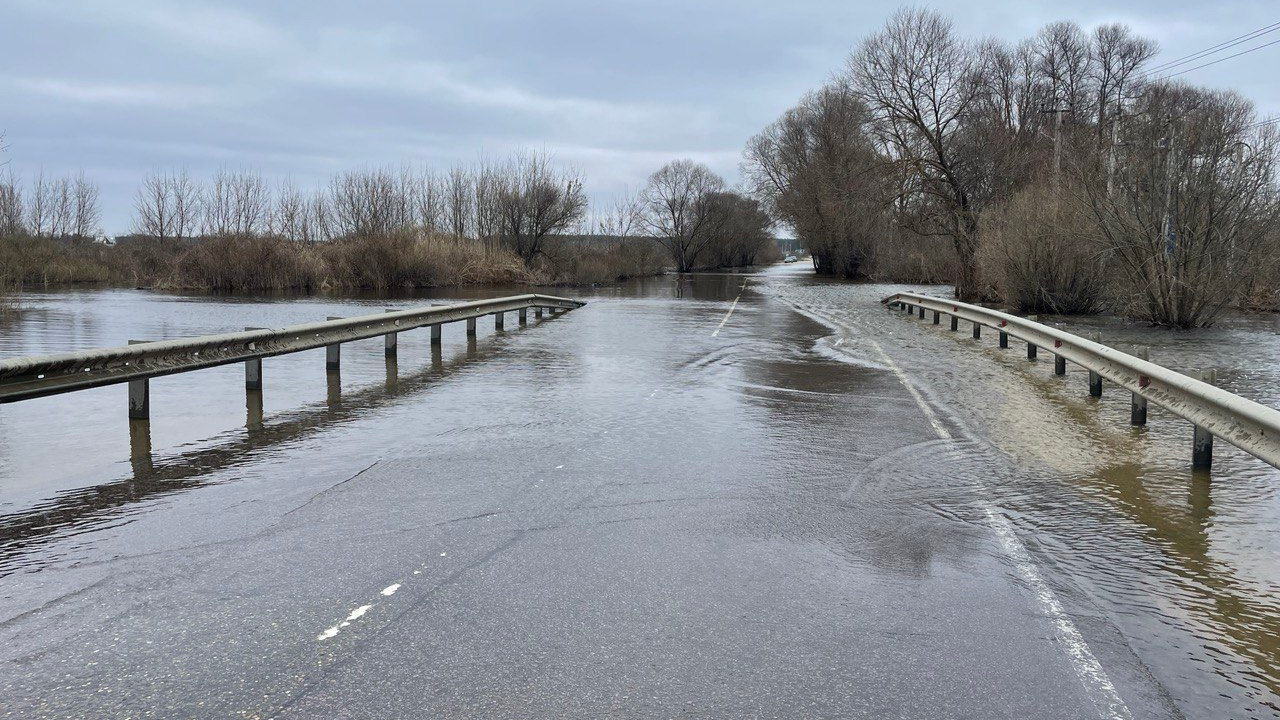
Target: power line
x,y
1210,50
1215,62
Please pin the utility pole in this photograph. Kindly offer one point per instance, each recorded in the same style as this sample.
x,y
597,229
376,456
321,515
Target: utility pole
x,y
1170,234
1057,141
1111,152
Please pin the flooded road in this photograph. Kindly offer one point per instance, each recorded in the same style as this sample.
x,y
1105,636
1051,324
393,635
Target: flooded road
x,y
713,496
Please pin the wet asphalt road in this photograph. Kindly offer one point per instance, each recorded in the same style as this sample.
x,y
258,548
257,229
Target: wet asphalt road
x,y
648,507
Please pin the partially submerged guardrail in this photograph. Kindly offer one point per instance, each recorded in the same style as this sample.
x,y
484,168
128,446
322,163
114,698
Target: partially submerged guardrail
x,y
31,377
1248,425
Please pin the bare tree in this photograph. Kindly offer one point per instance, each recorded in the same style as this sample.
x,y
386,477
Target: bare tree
x,y
740,233
218,205
458,198
430,201
366,203
289,217
40,205
185,198
676,209
1194,205
920,81
534,201
1117,54
319,227
622,219
252,203
486,184
62,207
236,203
85,211
817,170
1065,64
153,208
12,221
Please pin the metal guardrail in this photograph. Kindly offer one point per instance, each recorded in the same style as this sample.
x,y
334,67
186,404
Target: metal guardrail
x,y
1250,426
31,377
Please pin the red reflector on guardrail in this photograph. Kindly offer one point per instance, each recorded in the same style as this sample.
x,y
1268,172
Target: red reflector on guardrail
x,y
1057,343
1143,381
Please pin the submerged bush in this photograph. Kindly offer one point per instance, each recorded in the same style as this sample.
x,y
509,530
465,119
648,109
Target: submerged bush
x,y
587,260
248,262
905,257
1040,253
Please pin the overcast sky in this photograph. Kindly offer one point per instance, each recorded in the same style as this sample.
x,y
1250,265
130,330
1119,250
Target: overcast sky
x,y
305,88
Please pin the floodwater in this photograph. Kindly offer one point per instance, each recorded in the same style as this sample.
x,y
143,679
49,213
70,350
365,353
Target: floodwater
x,y
1169,574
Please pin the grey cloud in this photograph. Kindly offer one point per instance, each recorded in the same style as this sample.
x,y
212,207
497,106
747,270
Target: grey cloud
x,y
304,88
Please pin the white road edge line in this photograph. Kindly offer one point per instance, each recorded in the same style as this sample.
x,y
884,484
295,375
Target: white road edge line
x,y
911,388
727,315
732,307
1092,676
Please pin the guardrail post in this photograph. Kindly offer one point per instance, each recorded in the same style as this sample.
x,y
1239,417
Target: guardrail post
x,y
140,459
955,323
333,387
139,395
253,369
977,331
332,352
393,372
937,317
436,334
1138,407
392,340
522,315
498,320
471,327
537,312
1059,362
1031,348
920,308
1095,380
1004,339
253,409
1202,443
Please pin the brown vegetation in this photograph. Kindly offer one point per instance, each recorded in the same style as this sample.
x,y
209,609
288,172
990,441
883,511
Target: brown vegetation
x,y
1064,176
1039,252
687,210
517,222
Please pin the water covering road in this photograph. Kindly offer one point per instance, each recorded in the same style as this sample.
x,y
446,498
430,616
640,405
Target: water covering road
x,y
754,495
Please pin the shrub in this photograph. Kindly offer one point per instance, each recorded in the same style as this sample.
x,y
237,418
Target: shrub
x,y
906,257
1039,252
246,262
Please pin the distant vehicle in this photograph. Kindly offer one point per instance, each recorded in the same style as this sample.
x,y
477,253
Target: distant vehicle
x,y
789,258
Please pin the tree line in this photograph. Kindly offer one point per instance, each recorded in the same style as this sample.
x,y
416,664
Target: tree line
x,y
60,207
524,207
1065,175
